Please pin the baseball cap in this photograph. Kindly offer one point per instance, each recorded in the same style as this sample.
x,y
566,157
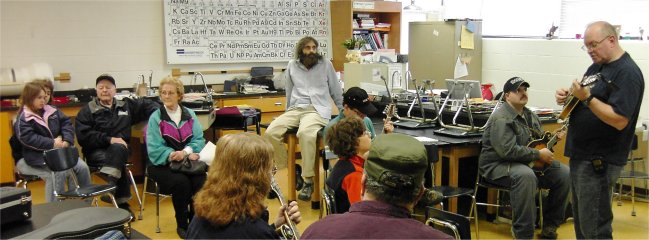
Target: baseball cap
x,y
397,161
105,77
514,83
357,98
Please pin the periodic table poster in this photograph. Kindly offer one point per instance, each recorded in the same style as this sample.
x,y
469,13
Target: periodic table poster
x,y
224,31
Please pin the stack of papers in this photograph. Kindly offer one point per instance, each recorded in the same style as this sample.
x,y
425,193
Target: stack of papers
x,y
426,139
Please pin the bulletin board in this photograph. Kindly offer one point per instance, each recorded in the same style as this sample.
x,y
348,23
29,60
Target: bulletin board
x,y
226,31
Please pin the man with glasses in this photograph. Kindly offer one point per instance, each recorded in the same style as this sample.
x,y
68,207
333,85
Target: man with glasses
x,y
601,129
506,160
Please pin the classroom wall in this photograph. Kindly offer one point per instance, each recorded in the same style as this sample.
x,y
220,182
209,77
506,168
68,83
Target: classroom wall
x,y
91,37
548,65
126,39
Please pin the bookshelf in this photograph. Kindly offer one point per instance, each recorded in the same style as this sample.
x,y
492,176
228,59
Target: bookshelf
x,y
344,12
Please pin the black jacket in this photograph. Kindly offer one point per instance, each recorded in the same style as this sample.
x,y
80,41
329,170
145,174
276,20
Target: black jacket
x,y
96,124
36,133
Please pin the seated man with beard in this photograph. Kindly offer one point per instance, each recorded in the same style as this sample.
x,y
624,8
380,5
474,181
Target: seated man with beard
x,y
310,82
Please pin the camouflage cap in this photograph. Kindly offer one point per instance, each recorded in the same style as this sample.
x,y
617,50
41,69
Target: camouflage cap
x,y
397,161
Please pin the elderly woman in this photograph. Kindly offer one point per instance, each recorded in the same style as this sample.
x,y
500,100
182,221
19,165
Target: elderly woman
x,y
231,204
41,127
350,140
173,134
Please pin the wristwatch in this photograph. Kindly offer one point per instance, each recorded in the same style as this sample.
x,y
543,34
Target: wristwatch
x,y
588,99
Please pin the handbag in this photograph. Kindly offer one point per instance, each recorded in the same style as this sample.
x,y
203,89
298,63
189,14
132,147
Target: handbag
x,y
188,167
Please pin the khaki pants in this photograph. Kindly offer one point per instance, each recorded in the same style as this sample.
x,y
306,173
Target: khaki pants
x,y
308,122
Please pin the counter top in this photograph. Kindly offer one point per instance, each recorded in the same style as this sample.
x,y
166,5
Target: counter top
x,y
215,97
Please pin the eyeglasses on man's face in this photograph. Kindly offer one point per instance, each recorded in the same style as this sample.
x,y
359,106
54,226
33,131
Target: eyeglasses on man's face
x,y
594,44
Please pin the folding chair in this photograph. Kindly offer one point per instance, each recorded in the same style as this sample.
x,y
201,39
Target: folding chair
x,y
64,159
448,222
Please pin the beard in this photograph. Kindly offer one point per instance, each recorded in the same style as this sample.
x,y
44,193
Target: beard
x,y
310,60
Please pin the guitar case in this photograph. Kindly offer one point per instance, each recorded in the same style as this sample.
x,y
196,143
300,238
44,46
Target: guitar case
x,y
84,223
15,204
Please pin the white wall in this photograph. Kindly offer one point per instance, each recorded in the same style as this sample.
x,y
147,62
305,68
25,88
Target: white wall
x,y
548,65
125,39
90,37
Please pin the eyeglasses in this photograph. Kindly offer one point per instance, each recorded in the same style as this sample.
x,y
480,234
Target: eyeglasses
x,y
593,45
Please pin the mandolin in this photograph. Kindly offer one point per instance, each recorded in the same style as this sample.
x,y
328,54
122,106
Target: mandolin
x,y
390,112
288,230
571,100
548,141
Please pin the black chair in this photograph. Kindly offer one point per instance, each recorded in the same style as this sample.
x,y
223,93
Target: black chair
x,y
482,182
94,169
452,192
453,224
328,197
24,179
64,159
152,189
637,154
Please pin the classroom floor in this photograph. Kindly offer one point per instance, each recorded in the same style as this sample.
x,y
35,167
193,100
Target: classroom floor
x,y
625,226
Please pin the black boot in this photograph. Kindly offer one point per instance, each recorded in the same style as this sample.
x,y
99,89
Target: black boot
x,y
299,181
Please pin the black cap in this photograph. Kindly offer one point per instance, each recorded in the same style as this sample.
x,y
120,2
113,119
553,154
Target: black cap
x,y
357,98
514,83
105,77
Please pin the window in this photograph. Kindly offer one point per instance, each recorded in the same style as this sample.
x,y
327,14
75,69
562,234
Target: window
x,y
631,15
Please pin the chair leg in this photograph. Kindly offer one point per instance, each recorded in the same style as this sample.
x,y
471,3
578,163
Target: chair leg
x,y
137,193
112,199
541,209
474,210
619,192
157,208
633,197
143,197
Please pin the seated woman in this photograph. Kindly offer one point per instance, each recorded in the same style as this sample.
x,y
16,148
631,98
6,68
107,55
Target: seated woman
x,y
174,133
41,127
231,204
350,141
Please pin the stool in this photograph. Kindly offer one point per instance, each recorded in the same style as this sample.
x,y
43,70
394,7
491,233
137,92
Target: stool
x,y
290,138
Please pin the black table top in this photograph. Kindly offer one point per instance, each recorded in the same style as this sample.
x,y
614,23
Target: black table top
x,y
429,132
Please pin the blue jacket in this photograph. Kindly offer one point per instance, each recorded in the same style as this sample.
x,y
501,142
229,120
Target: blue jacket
x,y
36,132
163,136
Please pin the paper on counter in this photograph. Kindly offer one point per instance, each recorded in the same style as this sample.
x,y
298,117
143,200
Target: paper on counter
x,y
208,153
425,139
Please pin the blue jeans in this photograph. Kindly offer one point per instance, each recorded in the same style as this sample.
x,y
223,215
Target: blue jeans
x,y
80,170
591,199
524,185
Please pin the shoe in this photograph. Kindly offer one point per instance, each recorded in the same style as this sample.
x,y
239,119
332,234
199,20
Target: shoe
x,y
299,181
182,233
127,207
305,194
108,178
548,232
119,200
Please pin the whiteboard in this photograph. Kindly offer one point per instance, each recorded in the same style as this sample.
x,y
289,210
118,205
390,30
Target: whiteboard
x,y
225,31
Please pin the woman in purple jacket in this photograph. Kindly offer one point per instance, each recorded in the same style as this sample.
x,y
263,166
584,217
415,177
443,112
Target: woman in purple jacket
x,y
42,127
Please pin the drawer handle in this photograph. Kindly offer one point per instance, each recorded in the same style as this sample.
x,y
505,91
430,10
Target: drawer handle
x,y
278,104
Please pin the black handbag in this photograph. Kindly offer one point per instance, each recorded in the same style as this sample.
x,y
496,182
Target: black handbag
x,y
188,167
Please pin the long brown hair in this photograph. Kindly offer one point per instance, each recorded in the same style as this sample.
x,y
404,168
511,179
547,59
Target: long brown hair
x,y
30,92
301,44
238,180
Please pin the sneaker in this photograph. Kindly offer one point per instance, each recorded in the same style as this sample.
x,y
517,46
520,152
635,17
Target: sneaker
x,y
548,232
307,190
182,233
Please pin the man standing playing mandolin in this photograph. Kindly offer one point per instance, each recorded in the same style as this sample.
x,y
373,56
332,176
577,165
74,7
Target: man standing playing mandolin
x,y
601,129
506,160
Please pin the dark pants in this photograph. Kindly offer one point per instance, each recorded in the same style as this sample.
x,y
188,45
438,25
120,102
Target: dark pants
x,y
112,161
182,189
592,194
524,185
